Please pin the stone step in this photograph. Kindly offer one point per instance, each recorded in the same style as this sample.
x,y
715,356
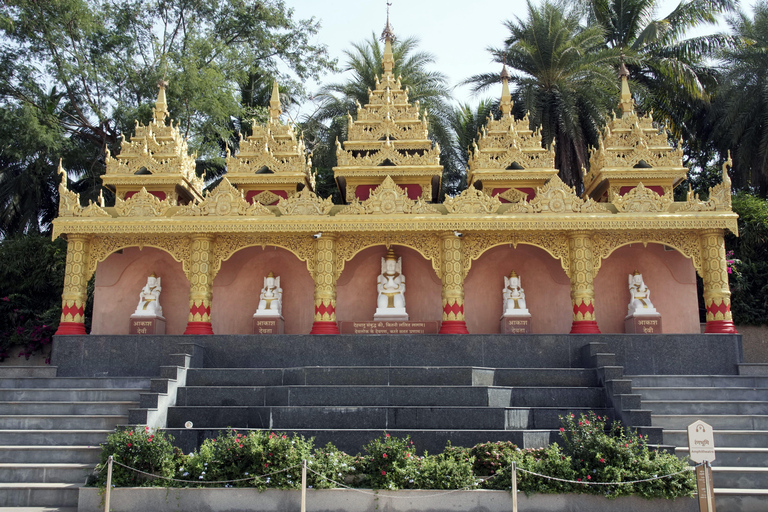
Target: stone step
x,y
16,372
716,421
51,454
38,509
734,456
352,440
705,394
53,437
699,381
756,369
62,422
38,494
723,438
741,500
74,382
391,376
65,408
69,395
344,396
740,477
686,407
458,418
46,473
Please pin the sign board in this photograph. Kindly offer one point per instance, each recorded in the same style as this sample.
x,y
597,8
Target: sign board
x,y
701,442
705,491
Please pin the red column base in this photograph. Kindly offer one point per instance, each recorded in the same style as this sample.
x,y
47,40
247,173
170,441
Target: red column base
x,y
70,329
453,327
584,327
324,328
199,328
720,327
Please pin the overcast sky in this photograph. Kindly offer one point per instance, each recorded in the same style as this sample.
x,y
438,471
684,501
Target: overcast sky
x,y
456,32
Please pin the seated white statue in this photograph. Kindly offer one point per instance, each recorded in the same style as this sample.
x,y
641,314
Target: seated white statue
x,y
640,302
149,298
514,296
271,298
390,285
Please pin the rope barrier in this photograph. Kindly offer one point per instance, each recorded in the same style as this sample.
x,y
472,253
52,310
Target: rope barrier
x,y
578,482
207,481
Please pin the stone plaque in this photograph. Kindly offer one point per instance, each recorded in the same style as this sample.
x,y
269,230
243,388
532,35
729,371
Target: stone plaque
x,y
393,327
147,325
515,325
642,324
268,325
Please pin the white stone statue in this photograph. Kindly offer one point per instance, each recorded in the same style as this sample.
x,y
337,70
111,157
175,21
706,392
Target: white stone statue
x,y
149,298
271,298
514,296
640,302
390,304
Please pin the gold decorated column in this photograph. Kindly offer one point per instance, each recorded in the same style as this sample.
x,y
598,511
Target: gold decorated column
x,y
75,287
325,285
200,285
717,293
582,283
453,285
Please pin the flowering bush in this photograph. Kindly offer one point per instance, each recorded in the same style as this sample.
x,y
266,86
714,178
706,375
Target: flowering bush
x,y
144,449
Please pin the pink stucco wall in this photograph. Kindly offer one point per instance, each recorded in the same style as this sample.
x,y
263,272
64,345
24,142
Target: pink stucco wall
x,y
119,280
238,284
547,289
356,287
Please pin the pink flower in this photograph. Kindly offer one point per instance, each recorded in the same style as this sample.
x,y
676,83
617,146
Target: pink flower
x,y
384,455
589,477
6,299
562,429
730,270
387,435
129,445
383,472
602,460
284,437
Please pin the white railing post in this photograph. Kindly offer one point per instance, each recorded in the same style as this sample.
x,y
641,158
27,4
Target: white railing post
x,y
108,494
304,486
514,486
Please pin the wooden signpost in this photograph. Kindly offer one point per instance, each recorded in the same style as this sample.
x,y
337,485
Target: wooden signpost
x,y
701,449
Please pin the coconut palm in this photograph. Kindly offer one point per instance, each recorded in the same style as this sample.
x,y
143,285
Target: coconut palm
x,y
563,78
466,123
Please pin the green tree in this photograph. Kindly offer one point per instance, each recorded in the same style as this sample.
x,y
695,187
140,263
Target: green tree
x,y
466,123
562,77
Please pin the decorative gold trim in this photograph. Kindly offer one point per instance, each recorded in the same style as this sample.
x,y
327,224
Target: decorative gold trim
x,y
142,204
387,199
640,199
472,201
224,201
305,202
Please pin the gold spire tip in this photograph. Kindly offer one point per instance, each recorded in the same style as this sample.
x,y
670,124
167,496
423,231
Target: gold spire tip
x,y
388,34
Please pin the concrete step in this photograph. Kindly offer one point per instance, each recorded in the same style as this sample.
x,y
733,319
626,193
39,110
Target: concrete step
x,y
391,376
391,396
69,395
705,394
740,477
756,369
50,454
46,473
687,407
699,381
38,494
62,422
734,456
351,440
723,438
65,408
717,421
15,372
452,418
38,509
53,437
74,382
741,500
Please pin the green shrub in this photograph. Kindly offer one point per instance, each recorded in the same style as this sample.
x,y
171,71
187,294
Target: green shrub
x,y
147,450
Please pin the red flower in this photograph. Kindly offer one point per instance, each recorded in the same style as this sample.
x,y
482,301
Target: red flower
x,y
589,477
284,437
130,433
387,435
602,460
384,455
586,422
579,423
578,479
383,472
129,445
241,446
562,429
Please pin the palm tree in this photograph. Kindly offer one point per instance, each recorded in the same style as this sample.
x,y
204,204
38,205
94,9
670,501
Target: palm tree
x,y
466,123
563,78
741,109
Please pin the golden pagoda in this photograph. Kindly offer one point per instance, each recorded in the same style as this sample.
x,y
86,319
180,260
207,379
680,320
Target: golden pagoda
x,y
156,159
388,138
271,163
632,151
508,160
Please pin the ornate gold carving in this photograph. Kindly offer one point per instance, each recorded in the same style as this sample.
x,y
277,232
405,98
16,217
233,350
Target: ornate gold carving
x,y
305,202
513,195
69,202
472,201
103,245
224,201
142,204
301,245
475,244
557,197
76,278
685,242
325,278
266,198
641,199
720,195
452,278
387,152
582,276
427,244
388,198
200,278
717,292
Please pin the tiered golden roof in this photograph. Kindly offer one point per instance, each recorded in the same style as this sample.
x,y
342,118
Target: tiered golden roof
x,y
156,158
271,163
508,160
389,138
632,151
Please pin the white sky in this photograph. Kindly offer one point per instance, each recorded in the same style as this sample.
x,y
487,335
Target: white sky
x,y
456,32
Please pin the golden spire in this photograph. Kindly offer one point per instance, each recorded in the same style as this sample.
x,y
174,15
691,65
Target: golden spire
x,y
505,105
388,36
161,107
274,102
391,254
626,104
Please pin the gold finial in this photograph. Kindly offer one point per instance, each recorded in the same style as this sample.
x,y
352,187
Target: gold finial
x,y
391,254
505,105
274,102
153,275
271,274
627,103
513,274
161,106
636,273
63,173
388,36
